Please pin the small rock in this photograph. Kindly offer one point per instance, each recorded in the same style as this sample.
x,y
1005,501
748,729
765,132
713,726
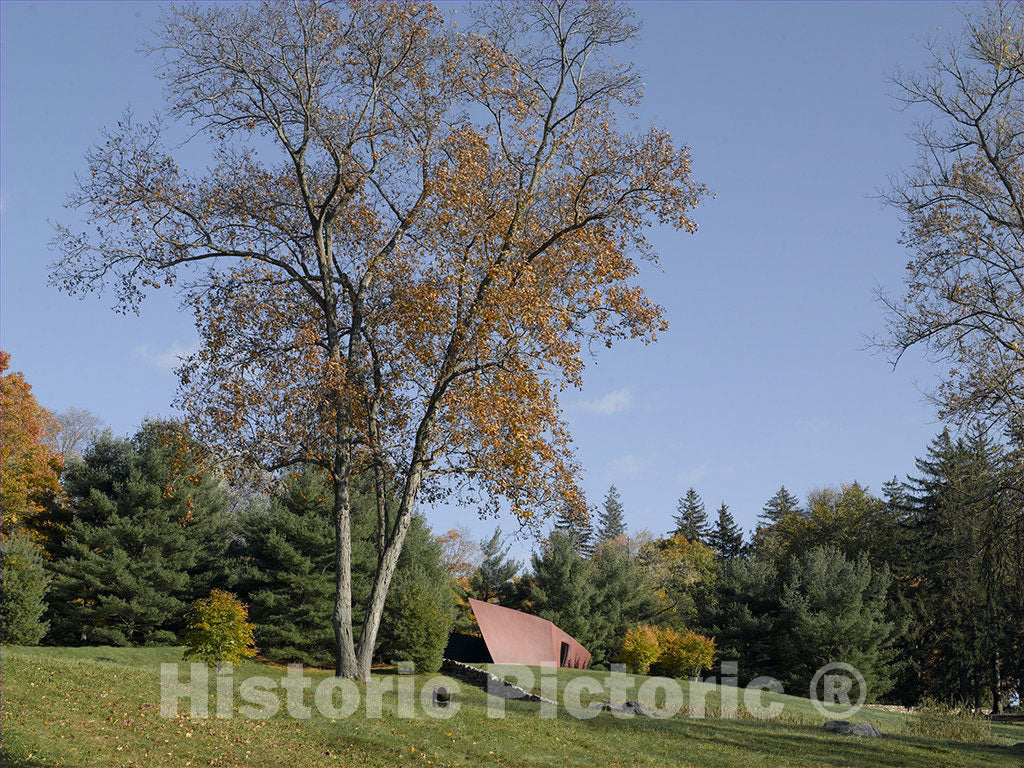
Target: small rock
x,y
630,707
638,708
853,729
442,696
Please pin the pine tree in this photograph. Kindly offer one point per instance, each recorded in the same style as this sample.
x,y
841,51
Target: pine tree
x,y
726,538
834,608
287,577
578,526
779,506
691,519
611,519
494,580
561,587
23,584
895,495
146,536
622,599
960,597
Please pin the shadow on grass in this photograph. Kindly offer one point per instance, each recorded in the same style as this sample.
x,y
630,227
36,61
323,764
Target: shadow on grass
x,y
9,759
814,745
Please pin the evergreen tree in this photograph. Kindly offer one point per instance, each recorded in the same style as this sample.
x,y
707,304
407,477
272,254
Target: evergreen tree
x,y
691,519
577,525
726,538
561,586
744,616
146,535
611,519
419,612
622,599
494,581
834,608
959,594
23,584
287,577
779,506
895,496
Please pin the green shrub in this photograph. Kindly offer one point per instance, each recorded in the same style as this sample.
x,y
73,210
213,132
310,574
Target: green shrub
x,y
418,620
218,630
684,654
22,592
641,647
935,720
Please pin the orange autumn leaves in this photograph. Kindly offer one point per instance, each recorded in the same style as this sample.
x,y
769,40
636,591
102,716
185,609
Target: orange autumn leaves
x,y
451,223
28,467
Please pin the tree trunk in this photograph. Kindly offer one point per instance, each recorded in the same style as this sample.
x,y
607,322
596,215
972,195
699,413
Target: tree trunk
x,y
996,702
344,645
385,571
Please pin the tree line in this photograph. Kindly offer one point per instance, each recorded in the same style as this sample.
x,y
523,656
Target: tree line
x,y
921,588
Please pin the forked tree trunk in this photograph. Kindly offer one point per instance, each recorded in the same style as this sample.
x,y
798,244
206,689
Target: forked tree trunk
x,y
385,572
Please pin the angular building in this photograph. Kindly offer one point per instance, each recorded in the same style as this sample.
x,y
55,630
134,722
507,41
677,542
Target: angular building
x,y
514,637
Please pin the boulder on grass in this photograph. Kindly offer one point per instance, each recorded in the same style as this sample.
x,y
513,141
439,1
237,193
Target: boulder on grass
x,y
630,707
853,729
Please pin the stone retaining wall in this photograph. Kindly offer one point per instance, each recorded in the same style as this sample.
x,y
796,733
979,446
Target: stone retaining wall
x,y
493,684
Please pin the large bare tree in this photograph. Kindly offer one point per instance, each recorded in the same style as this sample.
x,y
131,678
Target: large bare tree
x,y
963,206
409,238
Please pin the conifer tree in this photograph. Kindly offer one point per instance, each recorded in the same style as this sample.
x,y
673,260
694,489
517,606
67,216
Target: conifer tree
x,y
285,578
561,587
147,534
287,581
23,584
957,587
494,580
691,519
834,608
622,598
578,526
726,538
780,505
611,519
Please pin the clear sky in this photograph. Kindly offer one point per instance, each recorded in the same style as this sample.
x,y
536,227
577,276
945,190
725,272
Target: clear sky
x,y
761,380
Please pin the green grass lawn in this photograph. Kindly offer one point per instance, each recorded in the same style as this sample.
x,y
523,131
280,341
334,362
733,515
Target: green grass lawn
x,y
78,707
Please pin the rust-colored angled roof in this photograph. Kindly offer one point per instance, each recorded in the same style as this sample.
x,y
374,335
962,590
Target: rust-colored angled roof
x,y
514,637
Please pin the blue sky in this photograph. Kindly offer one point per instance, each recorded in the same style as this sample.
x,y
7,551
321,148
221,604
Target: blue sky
x,y
761,380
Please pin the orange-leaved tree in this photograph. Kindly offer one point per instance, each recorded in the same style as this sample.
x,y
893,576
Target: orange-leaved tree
x,y
28,467
409,237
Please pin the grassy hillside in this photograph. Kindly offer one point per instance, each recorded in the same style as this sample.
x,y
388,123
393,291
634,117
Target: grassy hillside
x,y
78,707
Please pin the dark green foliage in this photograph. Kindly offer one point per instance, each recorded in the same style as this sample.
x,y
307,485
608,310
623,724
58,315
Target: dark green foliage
x,y
420,608
146,534
418,618
726,538
577,525
494,581
744,616
561,586
961,578
780,506
691,519
286,577
611,518
622,599
833,609
22,591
